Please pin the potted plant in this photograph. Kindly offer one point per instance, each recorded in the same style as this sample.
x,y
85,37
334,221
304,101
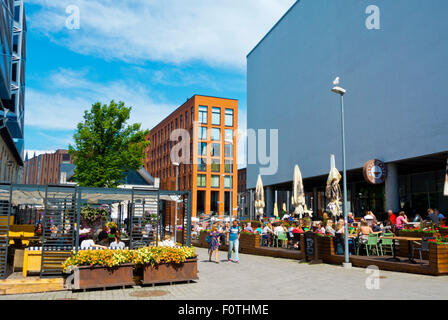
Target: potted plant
x,y
438,254
100,269
166,264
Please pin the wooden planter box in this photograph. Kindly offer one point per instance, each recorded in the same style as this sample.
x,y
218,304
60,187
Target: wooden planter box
x,y
249,240
101,277
326,247
170,272
438,258
403,249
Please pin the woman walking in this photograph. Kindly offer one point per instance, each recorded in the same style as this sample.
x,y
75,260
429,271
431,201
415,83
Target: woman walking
x,y
214,244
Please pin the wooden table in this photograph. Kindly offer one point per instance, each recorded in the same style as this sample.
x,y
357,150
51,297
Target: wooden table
x,y
410,247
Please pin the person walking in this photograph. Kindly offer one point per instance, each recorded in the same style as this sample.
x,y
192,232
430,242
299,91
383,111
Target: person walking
x,y
233,237
214,243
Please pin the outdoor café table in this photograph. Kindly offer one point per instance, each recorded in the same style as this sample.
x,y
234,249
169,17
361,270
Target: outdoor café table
x,y
410,247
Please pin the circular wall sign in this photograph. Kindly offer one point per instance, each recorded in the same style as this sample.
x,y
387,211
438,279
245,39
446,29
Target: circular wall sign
x,y
375,171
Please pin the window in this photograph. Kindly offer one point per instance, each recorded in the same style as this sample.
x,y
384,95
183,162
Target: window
x,y
216,134
216,148
216,116
202,180
228,166
228,135
228,150
202,165
216,165
229,118
186,119
181,122
192,116
202,149
202,133
203,114
227,182
215,182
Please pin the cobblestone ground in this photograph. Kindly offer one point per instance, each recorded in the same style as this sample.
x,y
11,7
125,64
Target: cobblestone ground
x,y
258,277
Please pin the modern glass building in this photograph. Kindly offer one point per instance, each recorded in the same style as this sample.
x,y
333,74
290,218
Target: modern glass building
x,y
391,58
12,84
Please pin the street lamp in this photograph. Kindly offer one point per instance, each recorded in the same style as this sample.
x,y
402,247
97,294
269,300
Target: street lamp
x,y
176,165
341,91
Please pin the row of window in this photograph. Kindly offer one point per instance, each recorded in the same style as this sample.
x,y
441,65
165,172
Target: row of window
x,y
214,181
215,134
216,116
215,150
163,134
215,165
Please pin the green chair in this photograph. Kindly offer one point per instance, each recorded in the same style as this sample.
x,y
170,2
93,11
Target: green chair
x,y
281,237
387,243
372,242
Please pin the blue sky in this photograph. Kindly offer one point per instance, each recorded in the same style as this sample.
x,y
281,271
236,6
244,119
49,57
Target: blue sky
x,y
151,54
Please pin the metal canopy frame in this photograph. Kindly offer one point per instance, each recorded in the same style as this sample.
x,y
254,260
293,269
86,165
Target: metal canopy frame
x,y
61,206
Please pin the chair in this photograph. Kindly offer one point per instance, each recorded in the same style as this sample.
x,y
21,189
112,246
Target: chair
x,y
372,242
281,236
424,246
387,243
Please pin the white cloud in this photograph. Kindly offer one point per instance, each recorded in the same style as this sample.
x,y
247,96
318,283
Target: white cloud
x,y
219,33
72,93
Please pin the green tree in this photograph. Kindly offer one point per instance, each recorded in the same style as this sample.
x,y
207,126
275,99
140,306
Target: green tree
x,y
106,147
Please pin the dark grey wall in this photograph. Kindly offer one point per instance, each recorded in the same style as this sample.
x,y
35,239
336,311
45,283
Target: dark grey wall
x,y
396,77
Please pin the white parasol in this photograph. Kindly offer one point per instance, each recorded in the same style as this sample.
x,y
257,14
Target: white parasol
x,y
259,197
298,194
333,191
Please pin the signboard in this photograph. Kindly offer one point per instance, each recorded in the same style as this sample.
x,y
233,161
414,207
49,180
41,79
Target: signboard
x,y
309,244
375,172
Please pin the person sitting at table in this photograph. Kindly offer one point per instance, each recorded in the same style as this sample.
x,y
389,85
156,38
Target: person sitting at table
x,y
117,243
266,233
259,229
39,229
103,236
249,228
364,231
319,229
402,219
88,243
329,228
350,218
375,226
417,218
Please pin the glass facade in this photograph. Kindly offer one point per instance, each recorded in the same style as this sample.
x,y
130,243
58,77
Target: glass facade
x,y
203,113
229,118
216,116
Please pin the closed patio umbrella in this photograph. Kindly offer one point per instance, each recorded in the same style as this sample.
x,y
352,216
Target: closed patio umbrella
x,y
445,191
298,194
333,190
259,197
275,210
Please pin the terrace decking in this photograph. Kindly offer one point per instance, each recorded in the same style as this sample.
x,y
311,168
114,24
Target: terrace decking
x,y
357,261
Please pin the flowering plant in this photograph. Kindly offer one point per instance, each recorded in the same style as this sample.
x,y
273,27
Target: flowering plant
x,y
111,225
142,256
439,239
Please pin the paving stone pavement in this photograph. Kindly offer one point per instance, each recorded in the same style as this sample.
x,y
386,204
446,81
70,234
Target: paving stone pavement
x,y
267,278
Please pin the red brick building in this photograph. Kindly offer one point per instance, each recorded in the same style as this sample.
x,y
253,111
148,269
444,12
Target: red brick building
x,y
211,123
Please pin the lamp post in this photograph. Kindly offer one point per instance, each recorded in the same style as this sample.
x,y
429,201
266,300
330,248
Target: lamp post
x,y
176,165
341,91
